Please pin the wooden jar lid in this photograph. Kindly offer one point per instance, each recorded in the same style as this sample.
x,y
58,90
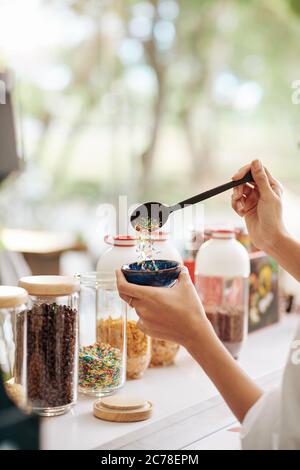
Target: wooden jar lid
x,y
122,408
11,297
49,285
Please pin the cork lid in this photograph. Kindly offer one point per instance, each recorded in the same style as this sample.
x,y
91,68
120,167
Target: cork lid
x,y
123,408
11,297
50,285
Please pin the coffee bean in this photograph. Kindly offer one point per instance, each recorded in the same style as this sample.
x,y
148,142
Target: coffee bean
x,y
51,361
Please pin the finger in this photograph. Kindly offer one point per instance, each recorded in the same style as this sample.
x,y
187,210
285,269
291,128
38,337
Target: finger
x,y
238,191
126,298
130,290
249,190
144,327
261,179
131,302
242,171
184,276
140,324
250,202
238,206
275,184
147,328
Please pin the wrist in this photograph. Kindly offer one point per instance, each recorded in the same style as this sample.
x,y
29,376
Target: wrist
x,y
274,243
201,336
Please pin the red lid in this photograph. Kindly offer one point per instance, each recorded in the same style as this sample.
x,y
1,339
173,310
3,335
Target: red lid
x,y
124,237
120,240
223,233
160,236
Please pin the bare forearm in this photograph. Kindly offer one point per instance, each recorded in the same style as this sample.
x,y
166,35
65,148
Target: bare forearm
x,y
237,389
286,251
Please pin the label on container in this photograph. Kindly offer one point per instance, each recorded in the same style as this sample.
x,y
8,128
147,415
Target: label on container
x,y
221,291
225,301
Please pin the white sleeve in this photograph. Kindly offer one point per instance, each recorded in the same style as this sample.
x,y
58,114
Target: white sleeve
x,y
289,437
273,422
260,428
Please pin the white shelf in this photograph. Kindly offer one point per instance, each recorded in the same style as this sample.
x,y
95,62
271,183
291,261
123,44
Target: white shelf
x,y
187,408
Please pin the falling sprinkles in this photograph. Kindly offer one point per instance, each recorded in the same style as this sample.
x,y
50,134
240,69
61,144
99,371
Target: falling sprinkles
x,y
99,366
146,248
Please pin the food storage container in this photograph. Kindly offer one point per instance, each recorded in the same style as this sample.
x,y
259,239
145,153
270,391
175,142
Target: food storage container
x,y
163,352
51,347
13,307
193,241
138,347
102,351
243,237
164,248
222,281
121,249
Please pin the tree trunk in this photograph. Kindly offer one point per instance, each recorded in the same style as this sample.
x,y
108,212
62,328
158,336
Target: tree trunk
x,y
200,150
147,156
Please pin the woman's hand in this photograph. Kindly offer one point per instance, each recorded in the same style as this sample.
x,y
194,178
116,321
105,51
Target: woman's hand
x,y
176,314
260,205
173,314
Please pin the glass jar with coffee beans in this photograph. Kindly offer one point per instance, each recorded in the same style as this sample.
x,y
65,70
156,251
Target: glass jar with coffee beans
x,y
51,346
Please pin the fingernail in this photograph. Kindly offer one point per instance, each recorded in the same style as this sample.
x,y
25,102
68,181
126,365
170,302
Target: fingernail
x,y
240,206
257,165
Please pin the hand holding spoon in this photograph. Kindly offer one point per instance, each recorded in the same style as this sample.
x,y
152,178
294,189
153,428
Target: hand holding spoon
x,y
159,213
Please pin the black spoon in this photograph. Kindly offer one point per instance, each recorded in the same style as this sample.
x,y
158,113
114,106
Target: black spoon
x,y
155,214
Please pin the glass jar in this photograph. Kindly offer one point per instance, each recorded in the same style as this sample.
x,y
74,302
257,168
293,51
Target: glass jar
x,y
194,240
51,351
164,248
121,250
222,281
13,307
163,352
138,347
102,352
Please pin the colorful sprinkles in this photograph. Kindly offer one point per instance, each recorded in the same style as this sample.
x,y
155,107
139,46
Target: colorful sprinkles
x,y
146,248
99,366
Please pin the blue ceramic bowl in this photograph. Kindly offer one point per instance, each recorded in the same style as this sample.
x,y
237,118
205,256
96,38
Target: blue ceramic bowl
x,y
165,276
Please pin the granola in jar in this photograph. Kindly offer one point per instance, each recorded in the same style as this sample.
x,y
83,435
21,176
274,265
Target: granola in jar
x,y
163,352
138,344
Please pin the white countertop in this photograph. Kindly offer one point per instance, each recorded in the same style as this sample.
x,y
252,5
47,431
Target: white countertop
x,y
183,399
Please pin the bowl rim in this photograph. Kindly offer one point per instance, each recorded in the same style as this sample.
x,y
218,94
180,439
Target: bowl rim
x,y
178,265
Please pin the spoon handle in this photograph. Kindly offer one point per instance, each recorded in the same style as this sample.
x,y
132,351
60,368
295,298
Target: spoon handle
x,y
248,178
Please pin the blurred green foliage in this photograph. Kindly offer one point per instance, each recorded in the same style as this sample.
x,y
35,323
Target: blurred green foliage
x,y
146,66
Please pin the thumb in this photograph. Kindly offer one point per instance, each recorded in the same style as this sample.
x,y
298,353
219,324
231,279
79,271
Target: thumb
x,y
261,179
184,276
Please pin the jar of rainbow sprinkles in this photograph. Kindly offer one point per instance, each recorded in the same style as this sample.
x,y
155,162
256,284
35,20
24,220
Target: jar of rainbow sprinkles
x,y
102,351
